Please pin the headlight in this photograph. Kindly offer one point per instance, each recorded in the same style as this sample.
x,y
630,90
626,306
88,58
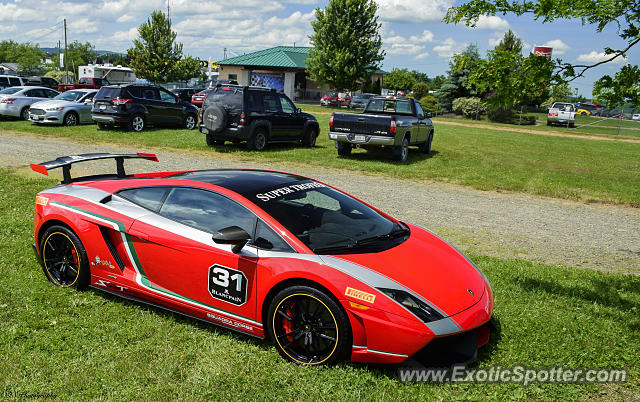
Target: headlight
x,y
423,311
54,109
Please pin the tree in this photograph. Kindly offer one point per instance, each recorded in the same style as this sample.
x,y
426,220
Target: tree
x,y
622,14
420,77
452,87
347,44
623,88
155,54
398,79
420,90
28,56
559,92
510,79
187,68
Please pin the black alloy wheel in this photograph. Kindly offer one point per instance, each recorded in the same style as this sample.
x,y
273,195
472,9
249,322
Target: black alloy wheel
x,y
64,258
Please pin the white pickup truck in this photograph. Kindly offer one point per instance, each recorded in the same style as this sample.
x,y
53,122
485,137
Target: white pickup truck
x,y
562,113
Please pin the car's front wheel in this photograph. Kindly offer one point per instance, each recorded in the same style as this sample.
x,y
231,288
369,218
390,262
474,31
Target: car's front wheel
x,y
64,258
308,327
70,119
190,122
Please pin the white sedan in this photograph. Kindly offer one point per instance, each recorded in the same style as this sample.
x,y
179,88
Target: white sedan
x,y
69,108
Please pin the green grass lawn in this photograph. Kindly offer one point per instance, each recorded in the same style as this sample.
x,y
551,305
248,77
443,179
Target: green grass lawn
x,y
66,344
482,158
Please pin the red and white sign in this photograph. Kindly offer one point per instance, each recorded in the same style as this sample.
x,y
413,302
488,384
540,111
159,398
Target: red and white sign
x,y
543,51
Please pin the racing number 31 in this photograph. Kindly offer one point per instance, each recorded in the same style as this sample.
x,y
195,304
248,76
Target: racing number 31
x,y
228,284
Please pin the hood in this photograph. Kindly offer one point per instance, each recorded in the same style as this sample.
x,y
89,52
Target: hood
x,y
429,267
53,103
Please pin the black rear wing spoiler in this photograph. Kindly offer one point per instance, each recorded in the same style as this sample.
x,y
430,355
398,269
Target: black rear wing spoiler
x,y
65,163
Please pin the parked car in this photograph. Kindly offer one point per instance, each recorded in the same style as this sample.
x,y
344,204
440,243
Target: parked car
x,y
198,98
256,115
84,83
360,101
322,275
329,99
386,121
136,106
585,109
635,116
561,113
42,82
7,81
69,108
186,94
15,101
344,99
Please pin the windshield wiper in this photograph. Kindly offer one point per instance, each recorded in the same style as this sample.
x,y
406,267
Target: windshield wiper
x,y
400,231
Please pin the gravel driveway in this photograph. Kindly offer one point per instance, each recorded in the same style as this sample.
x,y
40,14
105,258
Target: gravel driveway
x,y
504,225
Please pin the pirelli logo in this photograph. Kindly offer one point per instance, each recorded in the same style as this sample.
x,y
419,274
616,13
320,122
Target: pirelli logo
x,y
360,295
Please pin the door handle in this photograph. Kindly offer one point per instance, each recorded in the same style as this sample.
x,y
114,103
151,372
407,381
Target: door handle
x,y
139,234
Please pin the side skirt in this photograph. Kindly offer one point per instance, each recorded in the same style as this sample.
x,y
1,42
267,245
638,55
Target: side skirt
x,y
158,305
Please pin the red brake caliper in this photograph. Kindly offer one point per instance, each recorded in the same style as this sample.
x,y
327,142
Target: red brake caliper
x,y
288,324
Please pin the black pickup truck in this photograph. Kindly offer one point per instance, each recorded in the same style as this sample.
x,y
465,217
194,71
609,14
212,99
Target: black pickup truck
x,y
395,122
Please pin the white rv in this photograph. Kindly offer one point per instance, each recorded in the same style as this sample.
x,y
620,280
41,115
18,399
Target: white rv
x,y
113,74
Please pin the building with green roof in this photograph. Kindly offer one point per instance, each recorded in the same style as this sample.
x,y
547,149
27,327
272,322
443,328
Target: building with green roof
x,y
280,67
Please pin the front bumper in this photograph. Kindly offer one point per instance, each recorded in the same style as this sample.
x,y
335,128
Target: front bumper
x,y
48,117
362,139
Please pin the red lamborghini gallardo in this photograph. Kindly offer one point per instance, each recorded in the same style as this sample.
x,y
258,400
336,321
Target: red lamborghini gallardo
x,y
326,277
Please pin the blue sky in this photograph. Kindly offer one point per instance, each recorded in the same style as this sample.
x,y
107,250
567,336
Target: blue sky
x,y
414,35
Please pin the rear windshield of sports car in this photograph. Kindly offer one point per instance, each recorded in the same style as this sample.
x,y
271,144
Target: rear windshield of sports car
x,y
328,221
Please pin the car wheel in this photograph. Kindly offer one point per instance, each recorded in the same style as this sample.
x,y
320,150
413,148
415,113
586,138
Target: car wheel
x,y
24,113
70,119
344,148
64,258
548,123
401,152
309,137
137,123
425,147
572,125
190,122
308,327
258,140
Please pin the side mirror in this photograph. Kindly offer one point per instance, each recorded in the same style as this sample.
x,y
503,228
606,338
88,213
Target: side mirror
x,y
298,110
234,235
429,115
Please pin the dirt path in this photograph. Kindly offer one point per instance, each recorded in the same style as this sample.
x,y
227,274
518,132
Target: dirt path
x,y
504,225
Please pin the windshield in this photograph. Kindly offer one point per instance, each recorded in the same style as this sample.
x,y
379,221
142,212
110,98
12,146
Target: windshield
x,y
328,221
72,96
10,91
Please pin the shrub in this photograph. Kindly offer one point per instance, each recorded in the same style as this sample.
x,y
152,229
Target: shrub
x,y
420,90
509,116
468,107
428,103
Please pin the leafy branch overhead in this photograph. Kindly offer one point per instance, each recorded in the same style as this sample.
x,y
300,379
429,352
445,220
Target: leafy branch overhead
x,y
347,44
623,14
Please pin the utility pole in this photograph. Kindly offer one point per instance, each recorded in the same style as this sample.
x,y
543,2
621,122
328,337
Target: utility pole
x,y
58,53
66,67
225,54
168,9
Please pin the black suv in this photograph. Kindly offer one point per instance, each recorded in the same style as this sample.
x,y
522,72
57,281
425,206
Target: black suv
x,y
135,106
256,115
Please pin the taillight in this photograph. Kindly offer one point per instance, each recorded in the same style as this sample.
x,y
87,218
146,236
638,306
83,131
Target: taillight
x,y
8,100
201,113
242,116
120,101
392,129
331,122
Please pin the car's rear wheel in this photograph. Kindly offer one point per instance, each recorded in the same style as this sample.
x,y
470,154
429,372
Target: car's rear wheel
x,y
190,122
344,148
24,113
137,123
64,258
308,327
401,152
211,140
309,137
70,119
258,140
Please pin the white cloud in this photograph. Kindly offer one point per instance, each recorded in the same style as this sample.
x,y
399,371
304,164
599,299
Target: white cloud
x,y
595,57
492,22
125,18
421,56
449,47
559,47
83,26
8,28
427,36
404,48
413,11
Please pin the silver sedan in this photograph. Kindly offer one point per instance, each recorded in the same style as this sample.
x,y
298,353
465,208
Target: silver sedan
x,y
69,108
15,101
